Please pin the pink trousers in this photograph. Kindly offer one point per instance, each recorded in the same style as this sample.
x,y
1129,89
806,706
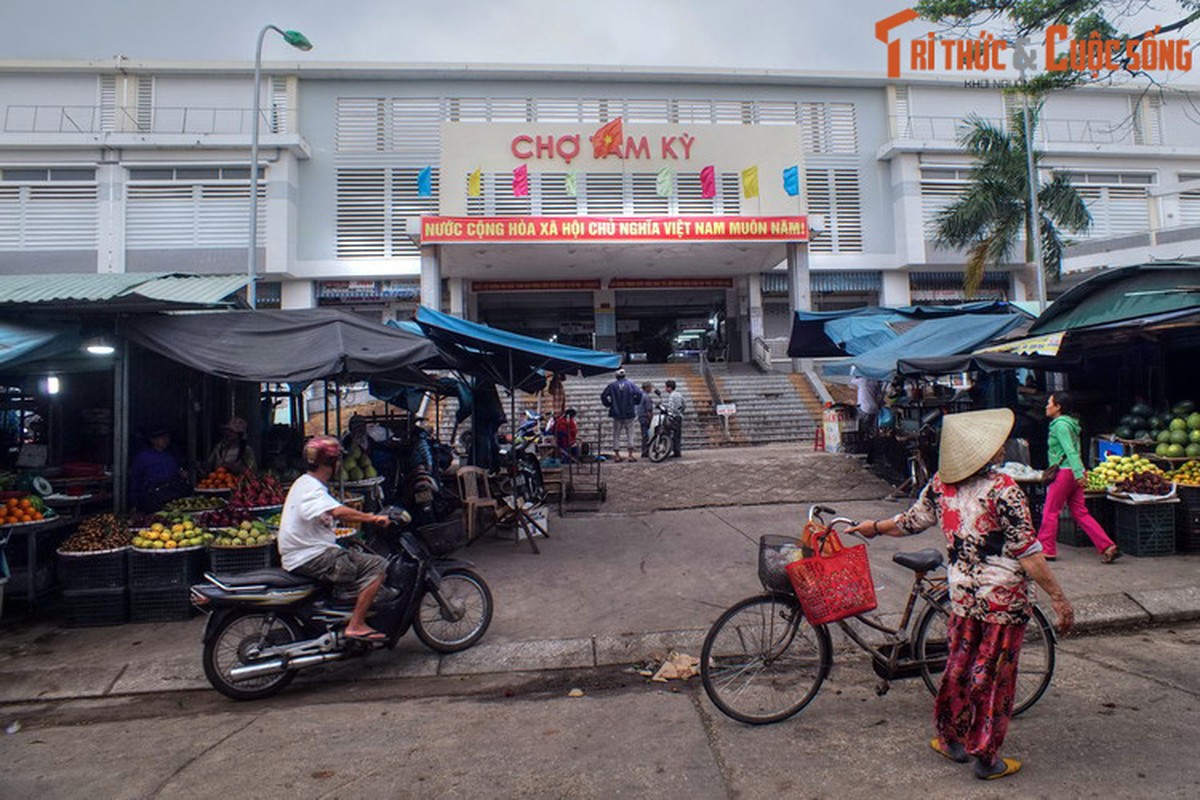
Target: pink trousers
x,y
1065,491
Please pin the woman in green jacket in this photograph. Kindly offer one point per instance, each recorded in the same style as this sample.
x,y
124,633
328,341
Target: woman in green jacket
x,y
1067,487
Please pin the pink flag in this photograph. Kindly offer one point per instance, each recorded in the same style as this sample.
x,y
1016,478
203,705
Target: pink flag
x,y
708,182
521,181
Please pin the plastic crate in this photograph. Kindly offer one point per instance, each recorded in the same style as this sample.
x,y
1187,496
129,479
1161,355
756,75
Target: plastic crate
x,y
1069,532
163,604
1146,529
1189,496
1100,509
1187,537
236,560
83,571
93,608
159,568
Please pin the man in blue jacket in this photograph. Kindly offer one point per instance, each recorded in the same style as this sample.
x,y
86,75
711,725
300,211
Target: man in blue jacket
x,y
621,398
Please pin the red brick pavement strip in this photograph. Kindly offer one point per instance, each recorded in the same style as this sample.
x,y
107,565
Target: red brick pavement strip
x,y
737,477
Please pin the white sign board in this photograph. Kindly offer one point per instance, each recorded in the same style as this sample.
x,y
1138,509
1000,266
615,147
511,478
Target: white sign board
x,y
726,409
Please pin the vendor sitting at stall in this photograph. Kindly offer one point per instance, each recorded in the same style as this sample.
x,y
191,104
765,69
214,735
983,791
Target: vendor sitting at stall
x,y
375,441
155,475
233,452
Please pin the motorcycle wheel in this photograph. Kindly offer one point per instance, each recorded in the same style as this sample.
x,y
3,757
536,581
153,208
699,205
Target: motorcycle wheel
x,y
660,447
535,487
463,620
228,649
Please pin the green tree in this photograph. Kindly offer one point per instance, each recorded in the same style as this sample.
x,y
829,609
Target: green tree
x,y
992,214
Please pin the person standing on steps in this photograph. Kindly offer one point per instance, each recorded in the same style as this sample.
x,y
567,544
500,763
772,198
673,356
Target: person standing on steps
x,y
675,406
622,398
1067,485
645,414
993,553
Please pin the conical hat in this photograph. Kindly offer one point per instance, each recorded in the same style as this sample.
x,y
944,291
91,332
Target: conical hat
x,y
969,441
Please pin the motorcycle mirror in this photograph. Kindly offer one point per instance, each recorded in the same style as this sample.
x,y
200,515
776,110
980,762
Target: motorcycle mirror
x,y
657,392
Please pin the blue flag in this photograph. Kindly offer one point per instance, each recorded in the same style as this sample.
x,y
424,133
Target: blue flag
x,y
791,181
425,182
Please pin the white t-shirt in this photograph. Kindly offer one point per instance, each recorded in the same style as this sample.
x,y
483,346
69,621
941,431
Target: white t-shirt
x,y
306,528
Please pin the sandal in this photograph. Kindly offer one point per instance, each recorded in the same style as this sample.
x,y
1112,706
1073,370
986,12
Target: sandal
x,y
1001,769
1110,555
953,751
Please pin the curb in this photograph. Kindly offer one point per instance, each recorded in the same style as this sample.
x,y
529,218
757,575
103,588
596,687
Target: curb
x,y
1093,614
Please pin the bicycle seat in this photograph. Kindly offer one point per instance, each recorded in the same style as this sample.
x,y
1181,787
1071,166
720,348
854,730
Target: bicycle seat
x,y
920,560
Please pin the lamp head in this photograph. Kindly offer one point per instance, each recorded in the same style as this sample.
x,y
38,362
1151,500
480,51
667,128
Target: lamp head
x,y
99,346
297,40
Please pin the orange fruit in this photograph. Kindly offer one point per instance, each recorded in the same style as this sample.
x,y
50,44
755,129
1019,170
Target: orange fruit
x,y
12,502
25,503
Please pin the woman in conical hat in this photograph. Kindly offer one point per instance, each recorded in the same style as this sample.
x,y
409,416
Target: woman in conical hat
x,y
993,552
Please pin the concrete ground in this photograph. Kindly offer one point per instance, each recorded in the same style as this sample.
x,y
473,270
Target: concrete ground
x,y
648,573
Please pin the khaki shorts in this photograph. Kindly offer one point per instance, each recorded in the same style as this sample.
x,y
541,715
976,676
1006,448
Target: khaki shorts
x,y
343,567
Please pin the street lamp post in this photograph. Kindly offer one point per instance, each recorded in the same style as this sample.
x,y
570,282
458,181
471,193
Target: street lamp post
x,y
300,42
1035,217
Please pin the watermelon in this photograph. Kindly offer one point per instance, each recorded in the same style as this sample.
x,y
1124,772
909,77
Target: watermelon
x,y
1123,432
1163,437
1155,422
1142,435
1184,408
1141,410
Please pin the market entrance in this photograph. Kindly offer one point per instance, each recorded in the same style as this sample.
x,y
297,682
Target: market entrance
x,y
661,325
562,317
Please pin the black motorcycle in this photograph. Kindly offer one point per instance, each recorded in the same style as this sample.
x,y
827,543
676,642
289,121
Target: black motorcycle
x,y
265,626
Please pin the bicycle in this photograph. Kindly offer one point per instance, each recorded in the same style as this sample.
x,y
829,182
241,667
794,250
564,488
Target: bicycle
x,y
762,661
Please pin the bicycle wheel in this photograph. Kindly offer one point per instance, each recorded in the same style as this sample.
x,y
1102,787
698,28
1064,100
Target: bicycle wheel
x,y
1035,667
762,662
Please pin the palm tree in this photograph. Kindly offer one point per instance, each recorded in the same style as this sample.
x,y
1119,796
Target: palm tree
x,y
993,212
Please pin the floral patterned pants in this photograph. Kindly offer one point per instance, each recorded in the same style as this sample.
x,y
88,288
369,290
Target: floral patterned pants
x,y
975,703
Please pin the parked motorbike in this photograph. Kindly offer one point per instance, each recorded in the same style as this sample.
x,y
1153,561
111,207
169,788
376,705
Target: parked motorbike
x,y
520,470
662,430
265,626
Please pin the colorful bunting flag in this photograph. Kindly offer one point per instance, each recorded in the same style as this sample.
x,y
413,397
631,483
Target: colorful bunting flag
x,y
791,181
521,181
571,184
708,182
425,182
607,139
665,182
750,182
475,184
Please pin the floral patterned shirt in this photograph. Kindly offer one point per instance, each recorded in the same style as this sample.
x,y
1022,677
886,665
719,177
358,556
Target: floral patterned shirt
x,y
988,529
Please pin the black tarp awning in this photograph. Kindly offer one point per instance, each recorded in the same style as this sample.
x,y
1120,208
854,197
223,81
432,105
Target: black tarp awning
x,y
292,346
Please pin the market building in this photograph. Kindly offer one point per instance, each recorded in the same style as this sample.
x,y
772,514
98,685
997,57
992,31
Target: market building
x,y
722,201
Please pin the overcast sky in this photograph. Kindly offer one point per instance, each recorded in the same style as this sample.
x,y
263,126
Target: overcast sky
x,y
752,34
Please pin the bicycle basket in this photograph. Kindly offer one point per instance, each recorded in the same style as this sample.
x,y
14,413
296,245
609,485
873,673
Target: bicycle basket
x,y
774,554
834,587
443,538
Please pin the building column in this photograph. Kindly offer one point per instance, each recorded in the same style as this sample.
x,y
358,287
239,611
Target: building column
x,y
297,294
431,277
458,296
799,290
278,223
754,314
604,306
893,289
110,187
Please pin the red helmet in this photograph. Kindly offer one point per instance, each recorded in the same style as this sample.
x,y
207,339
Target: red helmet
x,y
321,451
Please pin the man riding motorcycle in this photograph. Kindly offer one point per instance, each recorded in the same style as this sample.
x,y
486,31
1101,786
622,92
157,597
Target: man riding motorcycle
x,y
308,542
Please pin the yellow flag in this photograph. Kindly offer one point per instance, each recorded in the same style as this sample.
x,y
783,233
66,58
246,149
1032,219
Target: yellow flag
x,y
750,182
475,184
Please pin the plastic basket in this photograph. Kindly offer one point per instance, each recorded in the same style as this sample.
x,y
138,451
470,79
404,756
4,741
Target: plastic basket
x,y
100,570
164,604
774,554
834,587
150,569
93,608
236,560
1189,496
443,538
1146,529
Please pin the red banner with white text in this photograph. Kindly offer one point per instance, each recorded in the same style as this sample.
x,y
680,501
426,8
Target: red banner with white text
x,y
449,230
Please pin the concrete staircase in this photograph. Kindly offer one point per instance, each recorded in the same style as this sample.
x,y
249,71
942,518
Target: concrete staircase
x,y
772,407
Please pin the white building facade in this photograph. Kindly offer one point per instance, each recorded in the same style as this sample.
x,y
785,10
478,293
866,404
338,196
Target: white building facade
x,y
383,186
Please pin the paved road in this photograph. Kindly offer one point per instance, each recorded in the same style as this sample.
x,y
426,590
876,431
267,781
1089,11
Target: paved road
x,y
1120,721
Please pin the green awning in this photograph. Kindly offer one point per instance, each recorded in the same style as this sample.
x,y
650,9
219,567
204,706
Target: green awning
x,y
1130,295
141,291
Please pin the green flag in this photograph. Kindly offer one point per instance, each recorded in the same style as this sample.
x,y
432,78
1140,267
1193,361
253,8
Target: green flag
x,y
665,182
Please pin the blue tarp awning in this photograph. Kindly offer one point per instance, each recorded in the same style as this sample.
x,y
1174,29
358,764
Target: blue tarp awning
x,y
934,337
504,357
23,342
852,332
